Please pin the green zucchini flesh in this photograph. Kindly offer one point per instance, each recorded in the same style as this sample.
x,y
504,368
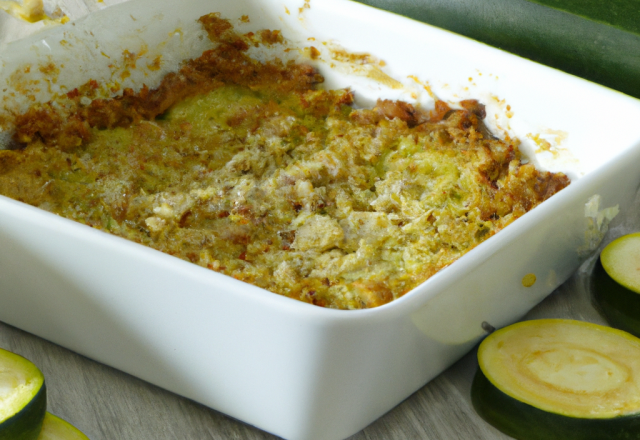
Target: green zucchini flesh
x,y
557,379
54,428
616,283
23,398
621,260
597,40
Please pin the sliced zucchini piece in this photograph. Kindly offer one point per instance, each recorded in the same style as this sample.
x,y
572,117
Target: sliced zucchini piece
x,y
23,398
54,428
556,379
616,283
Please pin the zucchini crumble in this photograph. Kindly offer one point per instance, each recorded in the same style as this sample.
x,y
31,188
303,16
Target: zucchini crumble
x,y
252,170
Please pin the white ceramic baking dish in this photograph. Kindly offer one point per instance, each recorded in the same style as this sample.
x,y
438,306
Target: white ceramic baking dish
x,y
299,371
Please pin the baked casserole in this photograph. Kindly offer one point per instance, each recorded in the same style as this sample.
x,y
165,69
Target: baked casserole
x,y
252,169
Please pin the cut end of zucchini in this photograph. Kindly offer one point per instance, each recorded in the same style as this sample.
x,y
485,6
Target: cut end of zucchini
x,y
572,368
616,283
23,398
621,261
556,379
54,428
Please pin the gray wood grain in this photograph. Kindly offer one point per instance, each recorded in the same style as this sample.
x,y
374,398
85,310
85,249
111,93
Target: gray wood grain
x,y
107,404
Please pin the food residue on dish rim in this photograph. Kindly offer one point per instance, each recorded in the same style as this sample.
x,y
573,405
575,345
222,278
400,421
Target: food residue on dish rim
x,y
549,140
312,53
307,5
32,11
529,280
425,86
31,82
360,64
546,141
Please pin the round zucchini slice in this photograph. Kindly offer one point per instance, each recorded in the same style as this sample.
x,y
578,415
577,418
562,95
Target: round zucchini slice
x,y
23,398
54,428
616,283
556,379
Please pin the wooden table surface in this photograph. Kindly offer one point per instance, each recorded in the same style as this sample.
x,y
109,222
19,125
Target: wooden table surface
x,y
107,404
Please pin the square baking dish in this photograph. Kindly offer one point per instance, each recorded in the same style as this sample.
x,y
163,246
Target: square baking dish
x,y
290,368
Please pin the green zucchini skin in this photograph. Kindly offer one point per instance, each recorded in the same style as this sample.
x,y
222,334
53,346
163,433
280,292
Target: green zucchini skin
x,y
525,422
619,306
27,423
594,39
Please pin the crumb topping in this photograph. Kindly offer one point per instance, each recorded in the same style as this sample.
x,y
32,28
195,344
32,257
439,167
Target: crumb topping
x,y
250,169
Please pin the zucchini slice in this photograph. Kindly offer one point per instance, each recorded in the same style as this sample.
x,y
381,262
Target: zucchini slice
x,y
23,398
597,40
616,283
556,379
54,428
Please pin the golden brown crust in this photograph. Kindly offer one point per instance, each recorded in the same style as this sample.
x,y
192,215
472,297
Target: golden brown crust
x,y
247,169
226,64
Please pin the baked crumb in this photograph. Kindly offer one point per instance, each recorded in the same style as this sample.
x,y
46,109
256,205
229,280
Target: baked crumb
x,y
251,170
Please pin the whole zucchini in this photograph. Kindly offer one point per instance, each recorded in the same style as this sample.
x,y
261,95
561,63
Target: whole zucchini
x,y
597,40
